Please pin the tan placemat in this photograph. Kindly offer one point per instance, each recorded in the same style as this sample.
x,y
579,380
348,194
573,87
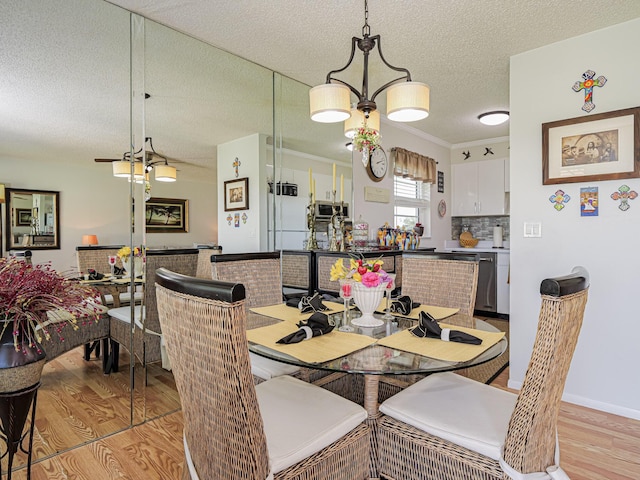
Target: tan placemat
x,y
282,312
315,350
439,349
436,312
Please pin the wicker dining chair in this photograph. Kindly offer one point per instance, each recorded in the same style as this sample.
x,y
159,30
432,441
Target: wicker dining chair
x,y
450,281
259,272
149,347
232,428
451,427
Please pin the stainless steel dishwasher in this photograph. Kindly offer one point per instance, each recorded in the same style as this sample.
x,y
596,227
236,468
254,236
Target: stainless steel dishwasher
x,y
486,297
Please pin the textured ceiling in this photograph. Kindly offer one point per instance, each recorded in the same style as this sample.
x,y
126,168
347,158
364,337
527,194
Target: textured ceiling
x,y
461,48
64,68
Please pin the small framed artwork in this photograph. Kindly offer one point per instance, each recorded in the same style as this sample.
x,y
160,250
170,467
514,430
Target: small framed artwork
x,y
236,194
589,202
167,215
592,148
440,182
23,217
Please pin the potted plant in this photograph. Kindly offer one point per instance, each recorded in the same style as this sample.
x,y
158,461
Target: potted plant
x,y
34,301
131,260
366,141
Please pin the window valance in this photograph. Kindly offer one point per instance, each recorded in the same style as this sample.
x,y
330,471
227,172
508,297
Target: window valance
x,y
413,165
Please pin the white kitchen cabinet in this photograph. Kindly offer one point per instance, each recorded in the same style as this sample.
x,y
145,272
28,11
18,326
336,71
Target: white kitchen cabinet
x,y
478,188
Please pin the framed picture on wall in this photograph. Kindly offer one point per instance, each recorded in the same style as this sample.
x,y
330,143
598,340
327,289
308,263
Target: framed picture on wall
x,y
236,194
167,215
592,148
23,217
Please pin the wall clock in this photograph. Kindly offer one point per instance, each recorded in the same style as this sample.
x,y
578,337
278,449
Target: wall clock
x,y
442,208
378,164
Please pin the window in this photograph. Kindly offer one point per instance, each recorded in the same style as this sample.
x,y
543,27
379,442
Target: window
x,y
412,204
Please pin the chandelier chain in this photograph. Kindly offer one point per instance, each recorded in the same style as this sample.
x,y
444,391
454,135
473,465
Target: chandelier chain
x,y
366,30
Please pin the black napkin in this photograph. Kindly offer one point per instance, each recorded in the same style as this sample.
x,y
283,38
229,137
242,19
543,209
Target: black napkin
x,y
317,324
118,271
93,275
428,327
403,305
308,304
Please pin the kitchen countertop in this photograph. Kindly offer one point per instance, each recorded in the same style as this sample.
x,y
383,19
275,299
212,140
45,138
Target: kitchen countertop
x,y
483,246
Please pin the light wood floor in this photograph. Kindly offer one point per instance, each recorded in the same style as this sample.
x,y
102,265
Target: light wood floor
x,y
594,446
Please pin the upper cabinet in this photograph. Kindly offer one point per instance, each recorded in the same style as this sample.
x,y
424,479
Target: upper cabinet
x,y
479,188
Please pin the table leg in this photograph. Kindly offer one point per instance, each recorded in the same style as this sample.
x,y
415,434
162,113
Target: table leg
x,y
371,384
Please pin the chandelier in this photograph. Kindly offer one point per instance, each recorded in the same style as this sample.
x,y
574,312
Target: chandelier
x,y
407,101
151,160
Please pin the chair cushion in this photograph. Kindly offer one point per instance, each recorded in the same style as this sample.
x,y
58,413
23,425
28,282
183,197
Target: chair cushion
x,y
266,368
124,314
301,419
457,409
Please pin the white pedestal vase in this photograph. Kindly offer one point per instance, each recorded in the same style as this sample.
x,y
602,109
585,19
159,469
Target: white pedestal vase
x,y
367,299
137,266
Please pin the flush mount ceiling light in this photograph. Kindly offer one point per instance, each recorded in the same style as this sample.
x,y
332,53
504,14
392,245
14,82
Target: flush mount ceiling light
x,y
494,118
407,101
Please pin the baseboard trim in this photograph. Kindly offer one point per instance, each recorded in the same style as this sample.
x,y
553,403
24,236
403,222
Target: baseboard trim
x,y
590,403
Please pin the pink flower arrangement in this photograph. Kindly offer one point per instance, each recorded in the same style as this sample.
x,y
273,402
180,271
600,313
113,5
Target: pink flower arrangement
x,y
367,272
35,297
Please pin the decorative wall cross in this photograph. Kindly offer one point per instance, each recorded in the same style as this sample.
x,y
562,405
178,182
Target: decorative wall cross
x,y
587,84
624,194
236,164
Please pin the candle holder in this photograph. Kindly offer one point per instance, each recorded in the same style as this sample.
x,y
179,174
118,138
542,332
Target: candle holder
x,y
312,243
343,243
333,241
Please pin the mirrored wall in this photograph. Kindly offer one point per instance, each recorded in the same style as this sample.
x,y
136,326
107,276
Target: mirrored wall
x,y
93,84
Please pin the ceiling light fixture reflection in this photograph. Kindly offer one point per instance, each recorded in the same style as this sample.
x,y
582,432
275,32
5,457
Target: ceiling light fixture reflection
x,y
407,101
349,146
494,118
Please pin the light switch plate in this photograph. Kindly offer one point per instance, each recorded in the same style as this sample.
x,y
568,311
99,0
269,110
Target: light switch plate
x,y
532,229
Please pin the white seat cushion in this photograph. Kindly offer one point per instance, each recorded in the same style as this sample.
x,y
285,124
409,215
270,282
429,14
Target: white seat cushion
x,y
124,314
457,409
301,419
266,368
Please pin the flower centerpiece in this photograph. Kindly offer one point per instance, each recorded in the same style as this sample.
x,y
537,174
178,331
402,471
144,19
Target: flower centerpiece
x,y
368,282
35,299
125,254
366,141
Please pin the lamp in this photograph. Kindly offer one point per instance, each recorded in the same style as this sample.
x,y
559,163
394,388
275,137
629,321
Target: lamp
x,y
494,118
357,120
165,173
407,101
143,165
89,240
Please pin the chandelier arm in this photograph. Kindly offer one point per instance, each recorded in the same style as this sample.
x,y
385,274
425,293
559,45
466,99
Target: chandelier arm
x,y
406,76
356,92
387,85
354,43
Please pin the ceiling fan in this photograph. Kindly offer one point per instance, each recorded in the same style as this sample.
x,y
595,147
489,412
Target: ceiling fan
x,y
151,160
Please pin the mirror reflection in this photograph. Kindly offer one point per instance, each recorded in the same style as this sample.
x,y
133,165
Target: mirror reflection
x,y
32,220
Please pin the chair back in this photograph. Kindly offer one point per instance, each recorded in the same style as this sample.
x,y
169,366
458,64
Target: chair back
x,y
204,322
448,280
259,272
184,261
96,257
204,261
530,444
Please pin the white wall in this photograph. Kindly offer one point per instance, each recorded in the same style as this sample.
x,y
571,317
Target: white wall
x,y
394,134
93,201
603,374
247,236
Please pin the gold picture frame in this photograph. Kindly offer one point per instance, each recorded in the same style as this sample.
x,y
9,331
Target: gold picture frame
x,y
236,194
167,215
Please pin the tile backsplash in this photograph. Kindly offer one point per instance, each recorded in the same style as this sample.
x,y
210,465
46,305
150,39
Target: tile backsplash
x,y
480,227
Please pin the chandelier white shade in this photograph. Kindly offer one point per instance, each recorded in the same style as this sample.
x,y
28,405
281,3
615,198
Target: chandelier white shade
x,y
494,118
122,169
357,120
165,173
329,103
407,101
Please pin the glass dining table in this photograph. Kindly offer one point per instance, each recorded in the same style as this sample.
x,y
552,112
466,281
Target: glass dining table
x,y
377,361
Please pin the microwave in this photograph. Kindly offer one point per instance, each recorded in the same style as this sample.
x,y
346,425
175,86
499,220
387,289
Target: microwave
x,y
324,210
